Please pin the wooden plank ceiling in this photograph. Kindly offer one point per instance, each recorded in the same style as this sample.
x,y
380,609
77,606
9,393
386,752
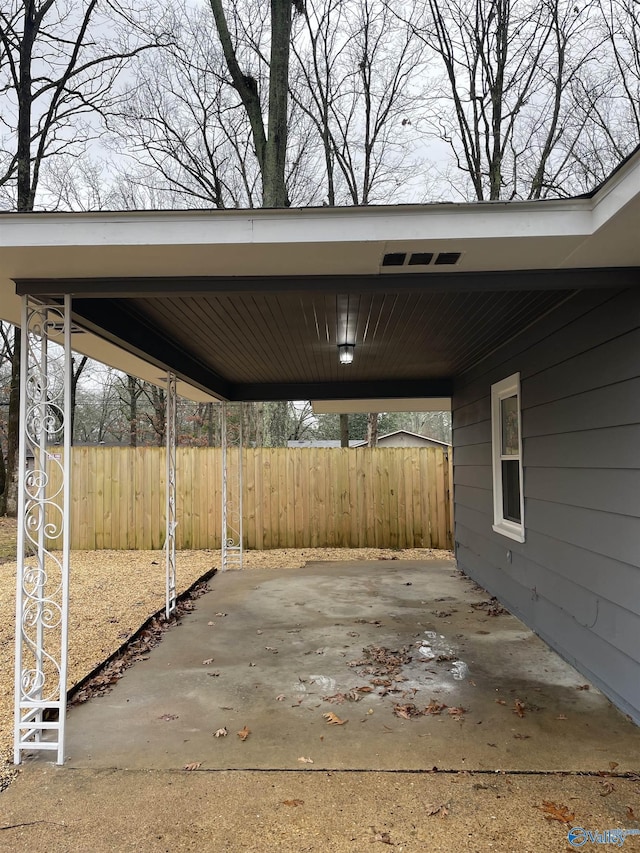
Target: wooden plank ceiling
x,y
283,345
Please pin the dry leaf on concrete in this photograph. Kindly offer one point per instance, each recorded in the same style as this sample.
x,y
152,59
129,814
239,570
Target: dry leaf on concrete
x,y
244,733
333,719
293,802
456,712
304,760
194,765
519,708
168,717
207,662
223,732
556,811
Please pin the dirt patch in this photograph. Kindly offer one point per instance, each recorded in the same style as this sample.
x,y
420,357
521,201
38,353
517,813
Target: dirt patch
x,y
113,593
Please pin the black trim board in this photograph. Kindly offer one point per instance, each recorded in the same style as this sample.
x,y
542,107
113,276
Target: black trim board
x,y
485,281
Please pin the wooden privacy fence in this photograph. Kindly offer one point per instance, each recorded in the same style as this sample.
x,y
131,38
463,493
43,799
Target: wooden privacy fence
x,y
293,498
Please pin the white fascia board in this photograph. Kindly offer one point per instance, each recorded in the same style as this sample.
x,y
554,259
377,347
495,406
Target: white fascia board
x,y
313,225
617,192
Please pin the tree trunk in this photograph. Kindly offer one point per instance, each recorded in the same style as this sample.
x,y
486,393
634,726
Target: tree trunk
x,y
274,192
344,430
372,429
75,376
10,496
210,427
133,411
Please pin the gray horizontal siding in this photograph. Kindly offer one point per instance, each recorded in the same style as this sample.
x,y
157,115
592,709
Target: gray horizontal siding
x,y
612,405
576,578
609,490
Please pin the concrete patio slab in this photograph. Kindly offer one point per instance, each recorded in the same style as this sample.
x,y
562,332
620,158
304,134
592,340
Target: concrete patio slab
x,y
289,639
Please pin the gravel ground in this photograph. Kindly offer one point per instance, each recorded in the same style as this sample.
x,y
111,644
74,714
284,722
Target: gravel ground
x,y
114,592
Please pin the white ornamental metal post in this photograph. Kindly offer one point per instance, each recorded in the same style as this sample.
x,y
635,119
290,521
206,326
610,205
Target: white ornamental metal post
x,y
170,540
232,548
42,583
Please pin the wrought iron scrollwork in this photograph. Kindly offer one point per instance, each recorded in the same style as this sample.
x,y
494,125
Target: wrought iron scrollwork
x,y
43,530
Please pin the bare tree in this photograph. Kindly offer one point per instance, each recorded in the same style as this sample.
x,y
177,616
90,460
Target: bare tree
x,y
57,70
270,138
356,74
505,103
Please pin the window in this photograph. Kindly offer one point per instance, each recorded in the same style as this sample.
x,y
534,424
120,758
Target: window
x,y
508,498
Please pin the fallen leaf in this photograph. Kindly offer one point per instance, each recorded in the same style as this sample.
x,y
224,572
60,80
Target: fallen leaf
x,y
519,708
270,649
456,712
556,811
406,712
583,687
251,663
630,814
168,717
607,788
364,689
500,702
293,802
221,614
521,737
214,674
613,765
338,698
434,708
207,662
304,760
370,712
333,719
210,623
193,766
221,732
441,810
244,733
280,697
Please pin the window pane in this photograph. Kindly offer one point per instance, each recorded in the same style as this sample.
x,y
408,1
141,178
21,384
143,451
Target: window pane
x,y
511,490
509,418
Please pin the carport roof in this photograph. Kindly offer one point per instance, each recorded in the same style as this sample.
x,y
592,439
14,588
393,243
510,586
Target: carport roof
x,y
251,304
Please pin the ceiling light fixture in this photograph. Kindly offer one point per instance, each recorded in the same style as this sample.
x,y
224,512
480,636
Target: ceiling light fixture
x,y
345,353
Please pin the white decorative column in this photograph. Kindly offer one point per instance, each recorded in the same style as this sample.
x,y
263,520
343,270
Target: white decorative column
x,y
42,583
170,540
232,549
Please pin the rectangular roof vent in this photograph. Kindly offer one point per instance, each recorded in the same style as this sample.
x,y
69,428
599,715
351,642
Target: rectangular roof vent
x,y
394,259
420,259
448,258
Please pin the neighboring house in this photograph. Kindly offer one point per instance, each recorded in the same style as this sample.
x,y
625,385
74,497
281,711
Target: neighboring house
x,y
404,438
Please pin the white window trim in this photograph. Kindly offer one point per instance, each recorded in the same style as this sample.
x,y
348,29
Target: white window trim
x,y
501,390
